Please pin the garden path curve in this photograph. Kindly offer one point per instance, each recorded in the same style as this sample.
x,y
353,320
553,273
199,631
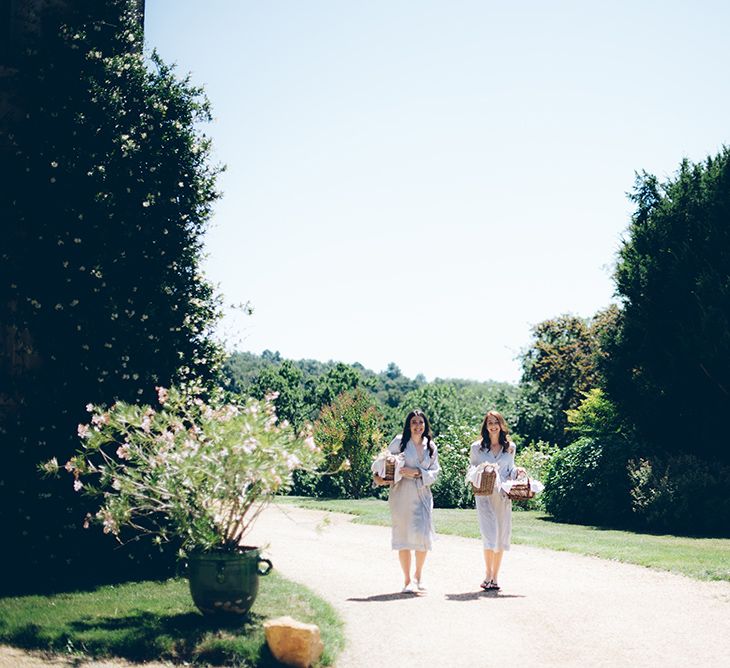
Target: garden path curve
x,y
555,608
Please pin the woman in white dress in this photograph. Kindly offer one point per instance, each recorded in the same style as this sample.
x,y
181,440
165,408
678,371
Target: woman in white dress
x,y
495,511
410,499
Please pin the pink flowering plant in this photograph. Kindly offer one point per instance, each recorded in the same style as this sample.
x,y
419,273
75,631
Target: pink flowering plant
x,y
195,471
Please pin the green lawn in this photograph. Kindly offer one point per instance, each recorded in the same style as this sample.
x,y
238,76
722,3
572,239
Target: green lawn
x,y
157,620
699,558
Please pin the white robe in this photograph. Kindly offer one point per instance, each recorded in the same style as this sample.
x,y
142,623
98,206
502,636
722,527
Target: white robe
x,y
411,501
495,511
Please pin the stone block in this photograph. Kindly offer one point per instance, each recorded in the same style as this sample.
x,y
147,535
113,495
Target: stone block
x,y
293,643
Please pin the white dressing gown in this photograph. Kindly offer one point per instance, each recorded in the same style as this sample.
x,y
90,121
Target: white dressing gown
x,y
411,501
495,511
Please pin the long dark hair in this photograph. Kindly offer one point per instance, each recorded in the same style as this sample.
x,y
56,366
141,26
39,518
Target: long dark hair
x,y
426,432
503,431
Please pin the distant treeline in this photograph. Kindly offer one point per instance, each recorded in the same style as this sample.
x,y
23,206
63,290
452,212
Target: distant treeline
x,y
305,387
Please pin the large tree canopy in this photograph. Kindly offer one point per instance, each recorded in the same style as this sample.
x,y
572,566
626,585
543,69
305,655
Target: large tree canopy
x,y
668,360
558,367
107,190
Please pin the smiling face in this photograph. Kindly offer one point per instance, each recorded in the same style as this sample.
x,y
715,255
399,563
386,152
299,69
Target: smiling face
x,y
494,428
418,426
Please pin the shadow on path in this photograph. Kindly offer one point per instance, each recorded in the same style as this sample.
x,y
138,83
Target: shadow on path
x,y
475,595
386,597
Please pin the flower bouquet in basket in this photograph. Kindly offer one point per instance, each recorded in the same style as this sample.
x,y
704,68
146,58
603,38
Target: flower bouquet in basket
x,y
386,465
483,478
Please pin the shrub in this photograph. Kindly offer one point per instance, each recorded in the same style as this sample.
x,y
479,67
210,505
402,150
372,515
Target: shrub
x,y
682,494
350,428
588,482
450,490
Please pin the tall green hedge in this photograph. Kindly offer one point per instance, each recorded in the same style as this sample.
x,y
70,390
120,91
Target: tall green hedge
x,y
107,190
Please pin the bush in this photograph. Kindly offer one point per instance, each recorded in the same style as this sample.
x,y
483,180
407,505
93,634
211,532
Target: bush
x,y
681,494
350,429
588,482
450,490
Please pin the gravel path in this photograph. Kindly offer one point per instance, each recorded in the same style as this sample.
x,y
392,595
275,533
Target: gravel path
x,y
555,608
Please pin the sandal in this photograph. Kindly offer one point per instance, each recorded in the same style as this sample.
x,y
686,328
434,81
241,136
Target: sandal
x,y
486,584
493,586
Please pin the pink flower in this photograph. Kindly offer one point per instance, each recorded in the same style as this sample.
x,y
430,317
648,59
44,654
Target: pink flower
x,y
90,408
310,444
100,419
162,395
78,485
83,431
123,451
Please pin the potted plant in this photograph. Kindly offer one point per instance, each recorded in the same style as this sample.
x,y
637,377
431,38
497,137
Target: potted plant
x,y
197,471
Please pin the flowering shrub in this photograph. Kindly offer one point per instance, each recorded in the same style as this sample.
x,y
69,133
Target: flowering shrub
x,y
199,472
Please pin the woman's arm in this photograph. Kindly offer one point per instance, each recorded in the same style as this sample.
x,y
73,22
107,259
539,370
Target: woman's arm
x,y
429,474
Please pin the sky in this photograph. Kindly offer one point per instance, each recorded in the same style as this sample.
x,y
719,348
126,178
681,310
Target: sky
x,y
421,182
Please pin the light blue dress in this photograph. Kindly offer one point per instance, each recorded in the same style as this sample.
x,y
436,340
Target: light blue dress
x,y
411,501
495,511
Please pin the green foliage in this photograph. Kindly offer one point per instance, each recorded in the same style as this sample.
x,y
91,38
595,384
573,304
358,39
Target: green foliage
x,y
107,190
557,367
286,382
450,490
668,358
681,494
340,378
350,428
588,482
596,416
454,402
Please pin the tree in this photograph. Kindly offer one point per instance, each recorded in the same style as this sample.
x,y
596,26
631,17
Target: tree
x,y
286,381
351,429
340,378
668,358
557,368
106,193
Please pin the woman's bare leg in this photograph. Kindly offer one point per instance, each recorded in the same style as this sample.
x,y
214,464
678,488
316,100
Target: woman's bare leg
x,y
496,563
489,564
404,557
420,559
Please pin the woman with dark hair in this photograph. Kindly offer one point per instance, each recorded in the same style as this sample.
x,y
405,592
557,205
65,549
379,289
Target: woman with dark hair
x,y
495,511
410,499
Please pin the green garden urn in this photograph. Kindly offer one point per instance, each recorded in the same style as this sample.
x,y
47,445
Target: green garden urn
x,y
224,582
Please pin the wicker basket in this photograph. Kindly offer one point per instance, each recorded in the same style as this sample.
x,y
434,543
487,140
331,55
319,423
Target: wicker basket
x,y
389,468
486,482
520,491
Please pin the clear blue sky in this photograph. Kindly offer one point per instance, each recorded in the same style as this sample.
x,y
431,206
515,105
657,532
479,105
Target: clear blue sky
x,y
420,182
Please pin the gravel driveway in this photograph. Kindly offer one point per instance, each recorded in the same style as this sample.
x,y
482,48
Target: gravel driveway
x,y
555,608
